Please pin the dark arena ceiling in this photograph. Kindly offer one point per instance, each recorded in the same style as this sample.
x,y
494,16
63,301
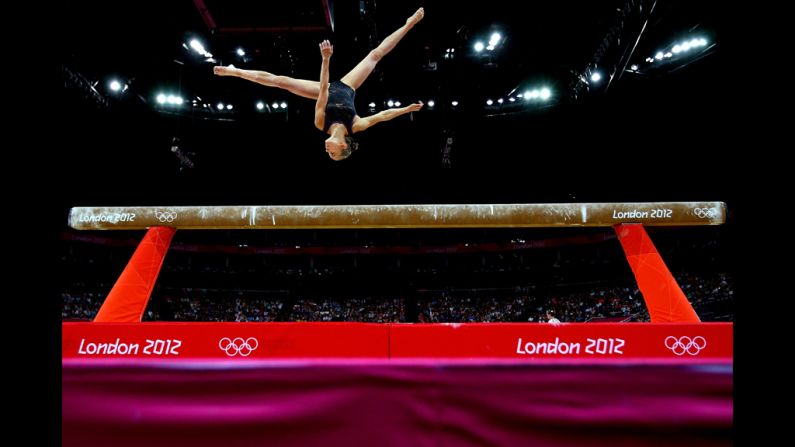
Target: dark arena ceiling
x,y
640,132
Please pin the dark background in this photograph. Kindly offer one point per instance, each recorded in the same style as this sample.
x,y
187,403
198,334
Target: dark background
x,y
651,134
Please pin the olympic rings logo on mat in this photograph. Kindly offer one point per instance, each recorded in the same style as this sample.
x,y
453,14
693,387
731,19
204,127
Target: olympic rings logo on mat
x,y
166,216
685,344
705,213
238,346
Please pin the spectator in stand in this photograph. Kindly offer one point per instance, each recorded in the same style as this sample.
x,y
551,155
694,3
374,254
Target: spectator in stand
x,y
551,318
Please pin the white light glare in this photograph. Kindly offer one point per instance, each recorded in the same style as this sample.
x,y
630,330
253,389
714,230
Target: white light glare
x,y
545,93
197,46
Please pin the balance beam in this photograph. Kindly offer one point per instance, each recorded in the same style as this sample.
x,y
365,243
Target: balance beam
x,y
398,216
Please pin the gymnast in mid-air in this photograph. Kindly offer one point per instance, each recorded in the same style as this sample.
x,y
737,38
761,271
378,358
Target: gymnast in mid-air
x,y
335,112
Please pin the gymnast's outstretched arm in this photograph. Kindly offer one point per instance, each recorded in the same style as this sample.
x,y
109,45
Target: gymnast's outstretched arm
x,y
385,115
326,50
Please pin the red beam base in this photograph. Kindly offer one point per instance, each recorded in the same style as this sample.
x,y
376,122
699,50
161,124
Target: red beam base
x,y
128,297
664,298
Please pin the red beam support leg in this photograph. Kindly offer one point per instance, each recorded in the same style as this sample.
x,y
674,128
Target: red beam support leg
x,y
664,298
128,297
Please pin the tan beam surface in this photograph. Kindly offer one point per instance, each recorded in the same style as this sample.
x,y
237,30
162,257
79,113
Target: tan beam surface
x,y
398,216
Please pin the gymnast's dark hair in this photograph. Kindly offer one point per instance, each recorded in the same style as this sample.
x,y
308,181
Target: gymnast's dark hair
x,y
352,146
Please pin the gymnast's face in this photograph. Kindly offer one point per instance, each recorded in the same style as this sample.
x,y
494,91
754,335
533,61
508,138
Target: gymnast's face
x,y
334,148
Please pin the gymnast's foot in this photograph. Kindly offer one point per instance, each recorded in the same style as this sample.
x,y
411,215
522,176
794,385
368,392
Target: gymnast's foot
x,y
411,21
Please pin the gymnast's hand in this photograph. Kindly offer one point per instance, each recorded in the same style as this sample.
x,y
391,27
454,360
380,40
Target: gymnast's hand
x,y
326,49
224,71
414,107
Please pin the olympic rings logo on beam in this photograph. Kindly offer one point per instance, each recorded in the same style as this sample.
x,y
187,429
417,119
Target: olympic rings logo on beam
x,y
238,346
682,345
705,213
166,216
